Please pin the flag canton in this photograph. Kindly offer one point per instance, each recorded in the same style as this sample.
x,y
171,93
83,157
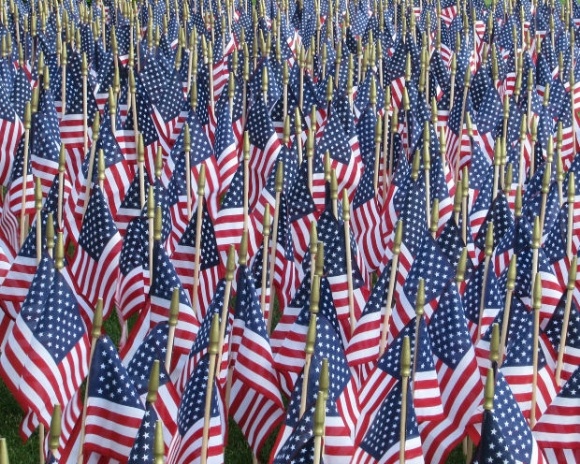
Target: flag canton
x,y
571,389
60,327
328,346
259,124
234,197
473,293
451,243
108,143
144,110
163,89
509,423
299,448
414,216
21,94
142,450
39,292
520,349
381,437
209,256
433,267
109,379
300,202
335,140
490,112
224,135
450,338
553,329
154,347
192,407
98,225
200,146
247,301
165,278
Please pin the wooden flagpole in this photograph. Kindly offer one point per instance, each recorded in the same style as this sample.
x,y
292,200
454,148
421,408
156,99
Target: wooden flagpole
x,y
536,306
279,185
546,180
434,225
570,225
313,248
464,198
266,223
318,428
27,126
242,261
488,254
55,429
310,342
378,143
230,270
246,153
158,445
566,320
405,373
38,207
427,167
84,73
63,63
419,311
510,286
89,180
4,451
391,290
95,334
466,85
298,136
198,228
173,319
348,257
535,246
213,351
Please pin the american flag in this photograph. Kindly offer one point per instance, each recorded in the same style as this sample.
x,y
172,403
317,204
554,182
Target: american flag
x,y
517,366
365,209
226,148
230,218
19,277
506,422
482,308
363,348
381,443
112,399
458,374
144,445
264,148
186,445
380,381
71,124
166,96
131,207
11,131
341,409
154,347
331,233
46,355
557,430
255,401
299,446
165,280
19,188
95,262
133,283
184,256
301,211
552,338
341,141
